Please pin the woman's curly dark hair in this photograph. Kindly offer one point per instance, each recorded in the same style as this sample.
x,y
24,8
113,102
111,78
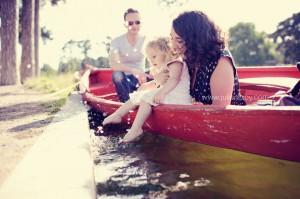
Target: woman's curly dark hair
x,y
202,38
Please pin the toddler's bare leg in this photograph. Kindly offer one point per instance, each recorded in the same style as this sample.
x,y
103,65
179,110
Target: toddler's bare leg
x,y
116,117
141,116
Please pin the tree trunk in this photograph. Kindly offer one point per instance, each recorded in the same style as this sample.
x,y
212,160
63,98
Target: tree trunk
x,y
27,40
9,15
36,36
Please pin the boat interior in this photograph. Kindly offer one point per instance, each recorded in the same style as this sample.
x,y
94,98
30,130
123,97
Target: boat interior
x,y
259,86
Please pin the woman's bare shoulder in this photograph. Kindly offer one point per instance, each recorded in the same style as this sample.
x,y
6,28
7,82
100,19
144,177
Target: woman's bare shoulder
x,y
224,65
223,70
224,61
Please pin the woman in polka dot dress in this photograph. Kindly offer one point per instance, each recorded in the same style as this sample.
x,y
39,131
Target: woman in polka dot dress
x,y
212,70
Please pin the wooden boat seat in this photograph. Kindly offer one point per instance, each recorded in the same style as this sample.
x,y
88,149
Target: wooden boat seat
x,y
283,82
100,88
261,88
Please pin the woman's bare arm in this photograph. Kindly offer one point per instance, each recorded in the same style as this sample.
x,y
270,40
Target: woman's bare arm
x,y
222,82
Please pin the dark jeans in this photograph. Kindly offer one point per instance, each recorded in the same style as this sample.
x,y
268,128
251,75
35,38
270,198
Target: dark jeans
x,y
124,84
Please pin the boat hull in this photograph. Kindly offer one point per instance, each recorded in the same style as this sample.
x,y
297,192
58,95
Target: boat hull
x,y
264,130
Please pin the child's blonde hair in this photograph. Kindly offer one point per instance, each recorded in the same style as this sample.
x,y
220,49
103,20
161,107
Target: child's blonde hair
x,y
161,43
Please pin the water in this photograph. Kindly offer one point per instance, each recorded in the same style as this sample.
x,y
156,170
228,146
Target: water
x,y
163,167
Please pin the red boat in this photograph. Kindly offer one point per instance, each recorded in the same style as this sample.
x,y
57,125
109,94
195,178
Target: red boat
x,y
272,131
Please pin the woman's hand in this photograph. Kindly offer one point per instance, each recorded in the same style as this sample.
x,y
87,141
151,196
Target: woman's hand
x,y
161,77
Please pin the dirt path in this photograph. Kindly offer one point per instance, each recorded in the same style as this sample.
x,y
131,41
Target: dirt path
x,y
23,116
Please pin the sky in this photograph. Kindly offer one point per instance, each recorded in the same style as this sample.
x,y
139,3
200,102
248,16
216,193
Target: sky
x,y
96,19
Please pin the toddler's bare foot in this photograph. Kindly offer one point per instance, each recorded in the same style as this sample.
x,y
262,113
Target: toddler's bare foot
x,y
132,135
112,119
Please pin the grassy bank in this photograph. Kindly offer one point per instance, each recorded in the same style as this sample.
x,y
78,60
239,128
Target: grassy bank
x,y
58,87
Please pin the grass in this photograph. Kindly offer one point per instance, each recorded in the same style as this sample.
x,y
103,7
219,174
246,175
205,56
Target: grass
x,y
55,105
58,86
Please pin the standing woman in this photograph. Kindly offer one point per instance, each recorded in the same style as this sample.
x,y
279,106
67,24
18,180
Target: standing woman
x,y
212,70
126,57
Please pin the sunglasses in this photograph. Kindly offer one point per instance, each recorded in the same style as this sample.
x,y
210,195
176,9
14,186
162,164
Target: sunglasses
x,y
130,23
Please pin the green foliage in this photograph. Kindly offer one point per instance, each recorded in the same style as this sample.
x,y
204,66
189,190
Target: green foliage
x,y
46,34
51,83
287,36
56,2
58,86
102,62
71,65
52,2
71,61
74,64
47,70
250,47
172,3
83,45
55,105
106,43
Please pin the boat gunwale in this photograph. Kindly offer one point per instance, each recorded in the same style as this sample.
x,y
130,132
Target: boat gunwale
x,y
198,107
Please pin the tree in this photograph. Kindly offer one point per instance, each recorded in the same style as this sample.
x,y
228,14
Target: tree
x,y
287,36
102,62
83,45
43,32
9,15
68,49
47,70
71,65
53,2
172,3
106,43
27,40
36,36
250,47
46,34
9,34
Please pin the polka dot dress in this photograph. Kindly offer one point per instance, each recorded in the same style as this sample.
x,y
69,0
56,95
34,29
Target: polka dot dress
x,y
201,90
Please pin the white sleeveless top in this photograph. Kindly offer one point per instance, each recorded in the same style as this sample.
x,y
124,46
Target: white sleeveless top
x,y
179,95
